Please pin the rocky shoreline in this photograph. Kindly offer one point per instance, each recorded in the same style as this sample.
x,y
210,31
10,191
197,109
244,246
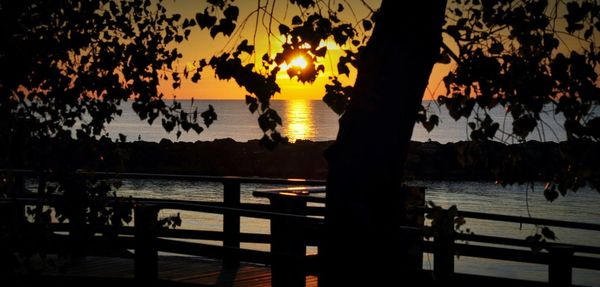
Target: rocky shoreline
x,y
304,159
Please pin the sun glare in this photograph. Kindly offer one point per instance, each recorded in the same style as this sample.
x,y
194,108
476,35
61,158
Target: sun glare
x,y
299,62
299,120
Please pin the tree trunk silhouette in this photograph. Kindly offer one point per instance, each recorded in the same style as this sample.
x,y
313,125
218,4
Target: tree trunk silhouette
x,y
365,199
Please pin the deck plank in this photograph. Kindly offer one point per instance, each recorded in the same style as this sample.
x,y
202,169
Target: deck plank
x,y
180,269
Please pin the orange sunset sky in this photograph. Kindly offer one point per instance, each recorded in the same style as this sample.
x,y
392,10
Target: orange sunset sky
x,y
201,45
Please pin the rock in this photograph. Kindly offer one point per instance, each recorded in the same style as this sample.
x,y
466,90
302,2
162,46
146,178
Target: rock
x,y
304,159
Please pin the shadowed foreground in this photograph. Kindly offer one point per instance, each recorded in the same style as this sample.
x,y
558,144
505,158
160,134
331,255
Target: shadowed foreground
x,y
174,271
196,271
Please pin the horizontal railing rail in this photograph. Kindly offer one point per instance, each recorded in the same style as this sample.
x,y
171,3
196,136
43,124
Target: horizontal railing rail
x,y
529,220
520,242
184,177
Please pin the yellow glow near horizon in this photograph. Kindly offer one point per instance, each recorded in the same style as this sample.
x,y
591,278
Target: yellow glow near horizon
x,y
201,46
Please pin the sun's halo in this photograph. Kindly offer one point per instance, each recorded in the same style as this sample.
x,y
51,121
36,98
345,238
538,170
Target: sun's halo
x,y
299,62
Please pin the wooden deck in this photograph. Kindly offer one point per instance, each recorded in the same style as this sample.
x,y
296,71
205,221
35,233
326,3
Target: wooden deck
x,y
173,271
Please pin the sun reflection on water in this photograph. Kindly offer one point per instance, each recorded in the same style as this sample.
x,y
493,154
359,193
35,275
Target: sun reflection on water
x,y
299,122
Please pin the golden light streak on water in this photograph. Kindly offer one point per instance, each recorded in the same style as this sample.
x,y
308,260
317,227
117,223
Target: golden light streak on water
x,y
299,122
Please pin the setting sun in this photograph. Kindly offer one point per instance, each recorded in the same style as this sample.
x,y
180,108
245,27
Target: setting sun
x,y
299,62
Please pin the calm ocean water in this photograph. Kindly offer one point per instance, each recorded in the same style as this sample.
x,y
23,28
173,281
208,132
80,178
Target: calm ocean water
x,y
313,120
302,119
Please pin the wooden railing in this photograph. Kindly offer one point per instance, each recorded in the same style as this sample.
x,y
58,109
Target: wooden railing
x,y
295,224
560,258
147,239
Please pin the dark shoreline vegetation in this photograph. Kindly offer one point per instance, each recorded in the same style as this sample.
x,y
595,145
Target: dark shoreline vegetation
x,y
304,159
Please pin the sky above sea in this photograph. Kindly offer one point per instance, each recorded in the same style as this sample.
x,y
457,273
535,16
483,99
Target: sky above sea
x,y
255,27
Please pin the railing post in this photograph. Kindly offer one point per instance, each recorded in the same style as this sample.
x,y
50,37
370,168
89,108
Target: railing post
x,y
560,268
443,247
414,199
9,215
231,223
146,251
287,243
9,221
75,201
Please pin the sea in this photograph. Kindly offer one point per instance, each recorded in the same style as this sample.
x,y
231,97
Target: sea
x,y
313,120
